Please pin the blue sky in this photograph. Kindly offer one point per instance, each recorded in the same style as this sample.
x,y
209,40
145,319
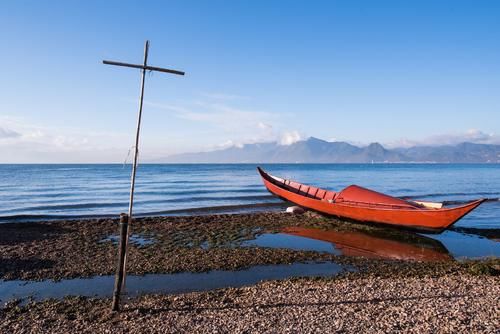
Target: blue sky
x,y
394,72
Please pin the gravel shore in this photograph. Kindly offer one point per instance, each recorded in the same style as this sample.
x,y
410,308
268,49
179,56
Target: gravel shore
x,y
458,303
380,296
81,248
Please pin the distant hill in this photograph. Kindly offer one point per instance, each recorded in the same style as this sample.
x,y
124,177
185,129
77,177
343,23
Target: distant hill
x,y
464,152
314,150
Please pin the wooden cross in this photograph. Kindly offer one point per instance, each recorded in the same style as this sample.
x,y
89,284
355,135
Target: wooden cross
x,y
126,219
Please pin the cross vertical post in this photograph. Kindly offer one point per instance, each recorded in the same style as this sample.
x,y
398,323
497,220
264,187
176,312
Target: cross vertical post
x,y
126,220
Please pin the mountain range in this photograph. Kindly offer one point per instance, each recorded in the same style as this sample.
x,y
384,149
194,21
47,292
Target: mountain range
x,y
314,150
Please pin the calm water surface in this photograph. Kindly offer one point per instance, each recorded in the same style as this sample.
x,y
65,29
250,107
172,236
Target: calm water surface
x,y
30,192
102,286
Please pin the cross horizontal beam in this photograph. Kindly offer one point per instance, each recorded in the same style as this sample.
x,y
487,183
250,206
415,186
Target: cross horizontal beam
x,y
147,68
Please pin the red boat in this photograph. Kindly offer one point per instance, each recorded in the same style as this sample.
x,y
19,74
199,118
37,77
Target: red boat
x,y
364,205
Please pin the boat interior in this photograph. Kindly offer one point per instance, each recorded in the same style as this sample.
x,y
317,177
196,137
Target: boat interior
x,y
353,195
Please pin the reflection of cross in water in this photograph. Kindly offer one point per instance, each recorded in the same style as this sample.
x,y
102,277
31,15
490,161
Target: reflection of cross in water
x,y
124,221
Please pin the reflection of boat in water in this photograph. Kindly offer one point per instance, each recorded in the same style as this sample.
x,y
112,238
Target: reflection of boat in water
x,y
364,205
407,246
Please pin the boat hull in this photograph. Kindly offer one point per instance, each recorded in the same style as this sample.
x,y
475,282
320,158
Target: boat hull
x,y
412,217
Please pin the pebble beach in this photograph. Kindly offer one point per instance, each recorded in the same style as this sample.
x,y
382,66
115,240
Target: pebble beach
x,y
370,294
458,303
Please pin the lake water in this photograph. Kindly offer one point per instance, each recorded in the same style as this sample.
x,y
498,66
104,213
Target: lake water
x,y
30,192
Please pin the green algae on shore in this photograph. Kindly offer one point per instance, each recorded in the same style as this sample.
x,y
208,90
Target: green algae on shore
x,y
82,248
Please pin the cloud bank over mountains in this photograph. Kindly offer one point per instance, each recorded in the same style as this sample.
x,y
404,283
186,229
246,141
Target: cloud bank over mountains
x,y
21,142
474,136
314,150
471,136
216,121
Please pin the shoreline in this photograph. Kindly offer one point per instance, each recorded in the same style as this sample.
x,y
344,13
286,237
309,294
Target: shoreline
x,y
380,294
206,211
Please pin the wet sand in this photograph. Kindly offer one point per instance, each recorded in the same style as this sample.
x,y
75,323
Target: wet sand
x,y
380,295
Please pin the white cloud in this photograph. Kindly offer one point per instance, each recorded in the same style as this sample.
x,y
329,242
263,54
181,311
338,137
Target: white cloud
x,y
169,107
28,142
25,141
221,118
265,126
228,117
477,136
285,138
219,115
224,96
471,135
240,125
228,144
243,126
290,137
7,133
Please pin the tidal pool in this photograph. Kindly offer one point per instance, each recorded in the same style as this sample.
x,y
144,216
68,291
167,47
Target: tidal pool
x,y
102,286
402,245
135,239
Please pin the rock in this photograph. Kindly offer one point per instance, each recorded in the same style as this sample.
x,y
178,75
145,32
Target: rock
x,y
295,209
314,214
